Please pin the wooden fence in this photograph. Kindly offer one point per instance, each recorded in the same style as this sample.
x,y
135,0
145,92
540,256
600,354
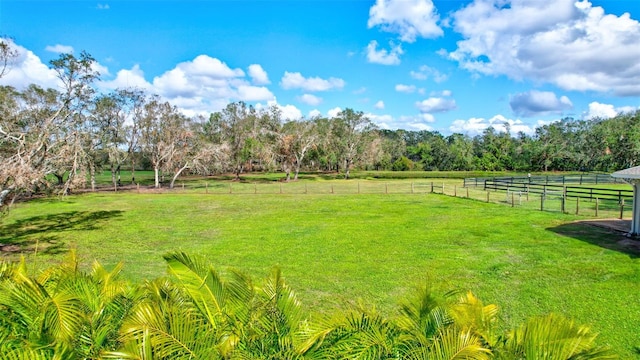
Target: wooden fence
x,y
547,179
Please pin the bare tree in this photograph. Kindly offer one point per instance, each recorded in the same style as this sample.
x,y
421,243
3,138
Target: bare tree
x,y
296,138
8,53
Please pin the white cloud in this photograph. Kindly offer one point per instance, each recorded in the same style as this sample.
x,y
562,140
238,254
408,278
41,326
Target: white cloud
x,y
287,112
381,121
475,126
297,81
606,111
59,49
253,93
569,43
28,69
258,75
424,72
539,103
383,56
334,112
310,99
379,105
417,122
407,18
405,88
200,86
133,78
314,113
103,7
436,105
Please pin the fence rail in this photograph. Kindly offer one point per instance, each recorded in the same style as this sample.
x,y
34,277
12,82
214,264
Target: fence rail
x,y
561,190
547,179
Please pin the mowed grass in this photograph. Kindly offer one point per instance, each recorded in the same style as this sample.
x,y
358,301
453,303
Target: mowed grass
x,y
336,249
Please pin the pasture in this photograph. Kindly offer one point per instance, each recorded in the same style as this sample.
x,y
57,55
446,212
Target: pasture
x,y
338,247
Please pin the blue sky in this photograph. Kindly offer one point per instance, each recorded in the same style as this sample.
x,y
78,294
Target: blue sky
x,y
445,65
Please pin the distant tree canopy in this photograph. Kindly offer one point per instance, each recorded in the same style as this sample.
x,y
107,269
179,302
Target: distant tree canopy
x,y
69,135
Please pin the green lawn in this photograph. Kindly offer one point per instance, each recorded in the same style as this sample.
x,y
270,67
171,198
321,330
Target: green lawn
x,y
337,248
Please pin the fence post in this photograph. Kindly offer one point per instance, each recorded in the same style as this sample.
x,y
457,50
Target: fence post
x,y
513,204
182,186
206,187
305,188
332,188
442,188
578,205
467,193
542,202
230,189
358,187
528,192
562,204
597,205
621,209
412,187
488,195
455,190
432,187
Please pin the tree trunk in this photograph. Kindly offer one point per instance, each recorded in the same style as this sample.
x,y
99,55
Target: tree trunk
x,y
60,178
113,175
92,171
133,171
156,171
347,166
3,195
295,175
173,180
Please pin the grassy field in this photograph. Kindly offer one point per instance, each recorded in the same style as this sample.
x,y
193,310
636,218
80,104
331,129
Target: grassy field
x,y
337,246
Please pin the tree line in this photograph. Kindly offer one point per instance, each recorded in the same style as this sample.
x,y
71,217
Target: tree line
x,y
199,312
61,138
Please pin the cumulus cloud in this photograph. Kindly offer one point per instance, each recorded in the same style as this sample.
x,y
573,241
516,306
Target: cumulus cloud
x,y
315,113
606,111
389,122
258,75
28,69
287,112
383,56
133,78
436,105
569,43
310,99
59,49
424,72
539,103
475,126
409,19
408,89
334,112
295,80
379,105
200,86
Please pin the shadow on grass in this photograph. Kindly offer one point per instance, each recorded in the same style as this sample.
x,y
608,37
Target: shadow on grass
x,y
600,235
44,231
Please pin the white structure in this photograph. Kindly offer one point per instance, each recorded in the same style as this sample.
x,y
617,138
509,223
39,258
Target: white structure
x,y
632,176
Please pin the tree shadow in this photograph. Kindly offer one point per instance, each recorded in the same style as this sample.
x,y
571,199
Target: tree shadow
x,y
600,235
45,231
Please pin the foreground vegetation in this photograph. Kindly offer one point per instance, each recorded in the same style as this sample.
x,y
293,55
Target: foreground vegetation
x,y
199,313
336,249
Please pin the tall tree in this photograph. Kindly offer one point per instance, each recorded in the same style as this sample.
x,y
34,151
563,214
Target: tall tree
x,y
351,130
